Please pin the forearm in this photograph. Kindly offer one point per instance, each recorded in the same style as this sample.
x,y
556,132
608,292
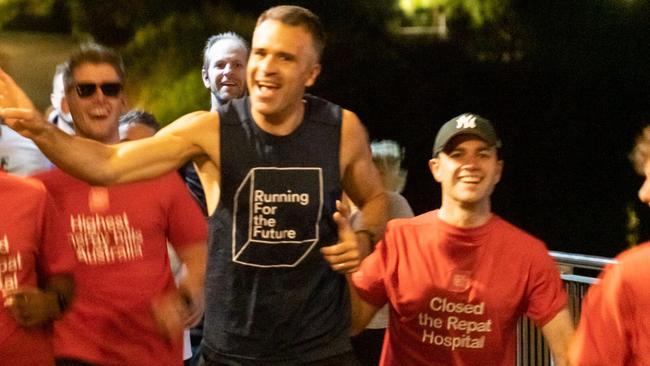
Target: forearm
x,y
61,288
84,158
558,333
374,214
57,295
361,312
194,258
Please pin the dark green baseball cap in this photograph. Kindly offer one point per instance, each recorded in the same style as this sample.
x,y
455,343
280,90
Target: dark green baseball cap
x,y
466,123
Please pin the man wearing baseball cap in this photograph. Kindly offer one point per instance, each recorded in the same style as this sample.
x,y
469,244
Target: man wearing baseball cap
x,y
458,278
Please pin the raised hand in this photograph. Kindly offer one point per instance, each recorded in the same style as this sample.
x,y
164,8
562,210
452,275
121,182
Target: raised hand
x,y
346,255
17,110
11,95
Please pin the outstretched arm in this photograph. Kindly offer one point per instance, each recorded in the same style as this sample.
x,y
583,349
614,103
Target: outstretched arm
x,y
109,164
104,164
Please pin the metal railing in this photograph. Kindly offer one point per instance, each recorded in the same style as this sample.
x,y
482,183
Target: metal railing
x,y
578,271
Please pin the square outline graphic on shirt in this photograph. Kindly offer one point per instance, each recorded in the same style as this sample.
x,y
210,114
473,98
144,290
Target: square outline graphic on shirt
x,y
302,245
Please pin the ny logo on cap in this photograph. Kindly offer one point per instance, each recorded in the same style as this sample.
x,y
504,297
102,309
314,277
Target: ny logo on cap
x,y
466,121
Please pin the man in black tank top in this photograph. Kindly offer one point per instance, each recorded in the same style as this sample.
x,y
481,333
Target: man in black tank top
x,y
276,290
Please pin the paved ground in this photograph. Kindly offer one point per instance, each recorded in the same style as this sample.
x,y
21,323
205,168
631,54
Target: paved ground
x,y
30,58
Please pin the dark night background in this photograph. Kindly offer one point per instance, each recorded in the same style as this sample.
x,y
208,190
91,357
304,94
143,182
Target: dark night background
x,y
566,83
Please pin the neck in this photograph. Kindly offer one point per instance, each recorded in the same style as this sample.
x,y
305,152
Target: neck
x,y
114,139
216,103
465,216
280,124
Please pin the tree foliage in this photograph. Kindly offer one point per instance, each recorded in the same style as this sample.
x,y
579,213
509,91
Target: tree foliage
x,y
166,57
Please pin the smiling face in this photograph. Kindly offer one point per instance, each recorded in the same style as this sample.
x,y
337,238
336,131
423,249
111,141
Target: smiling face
x,y
467,170
225,74
96,116
282,64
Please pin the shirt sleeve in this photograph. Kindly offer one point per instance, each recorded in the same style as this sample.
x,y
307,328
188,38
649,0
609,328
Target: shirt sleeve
x,y
56,256
601,338
546,294
186,223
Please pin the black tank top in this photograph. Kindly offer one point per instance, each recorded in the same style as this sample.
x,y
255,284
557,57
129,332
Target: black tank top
x,y
270,295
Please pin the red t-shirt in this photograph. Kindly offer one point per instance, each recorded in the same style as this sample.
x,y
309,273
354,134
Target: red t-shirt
x,y
614,326
456,294
119,234
29,246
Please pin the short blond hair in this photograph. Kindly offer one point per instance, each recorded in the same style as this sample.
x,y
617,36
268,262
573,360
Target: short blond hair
x,y
641,152
388,156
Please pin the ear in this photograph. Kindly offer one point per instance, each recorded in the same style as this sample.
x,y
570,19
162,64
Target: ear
x,y
205,78
313,74
499,171
124,104
434,167
65,107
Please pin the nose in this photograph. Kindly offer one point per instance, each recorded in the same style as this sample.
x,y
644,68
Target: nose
x,y
644,191
228,69
470,161
99,94
266,64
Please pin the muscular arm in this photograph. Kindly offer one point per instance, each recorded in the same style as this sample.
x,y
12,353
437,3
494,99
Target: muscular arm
x,y
558,332
360,178
190,136
361,182
108,164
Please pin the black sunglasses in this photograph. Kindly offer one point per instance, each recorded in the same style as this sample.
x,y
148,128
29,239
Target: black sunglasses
x,y
85,90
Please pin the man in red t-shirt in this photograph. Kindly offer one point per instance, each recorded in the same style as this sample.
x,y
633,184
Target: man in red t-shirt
x,y
127,308
457,279
614,326
35,272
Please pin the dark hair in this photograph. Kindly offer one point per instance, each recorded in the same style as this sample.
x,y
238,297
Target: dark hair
x,y
95,54
220,37
298,16
140,116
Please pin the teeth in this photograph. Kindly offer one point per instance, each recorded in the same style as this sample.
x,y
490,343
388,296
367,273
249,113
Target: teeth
x,y
470,179
98,112
266,85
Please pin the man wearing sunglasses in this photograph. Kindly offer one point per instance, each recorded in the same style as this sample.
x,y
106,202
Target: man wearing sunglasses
x,y
273,165
127,309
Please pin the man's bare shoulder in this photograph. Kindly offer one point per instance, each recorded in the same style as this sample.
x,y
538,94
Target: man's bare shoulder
x,y
350,117
192,119
353,132
194,126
